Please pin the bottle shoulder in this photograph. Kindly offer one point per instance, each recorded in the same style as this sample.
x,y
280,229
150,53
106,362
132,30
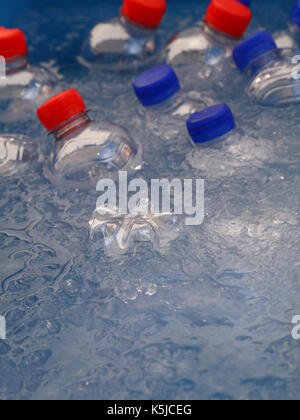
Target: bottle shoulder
x,y
32,83
200,43
118,28
116,45
95,132
281,69
276,84
188,41
26,75
179,106
105,32
94,151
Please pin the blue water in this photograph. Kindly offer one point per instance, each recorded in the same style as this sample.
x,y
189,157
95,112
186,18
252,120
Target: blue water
x,y
209,317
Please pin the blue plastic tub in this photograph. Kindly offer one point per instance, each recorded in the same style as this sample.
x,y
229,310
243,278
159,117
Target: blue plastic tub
x,y
11,9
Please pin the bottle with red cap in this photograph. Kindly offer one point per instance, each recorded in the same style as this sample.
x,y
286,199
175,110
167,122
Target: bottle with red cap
x,y
85,151
214,38
16,152
23,87
129,41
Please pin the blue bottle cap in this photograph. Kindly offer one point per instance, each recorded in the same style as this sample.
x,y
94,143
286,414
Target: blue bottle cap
x,y
295,15
156,85
246,2
211,123
252,48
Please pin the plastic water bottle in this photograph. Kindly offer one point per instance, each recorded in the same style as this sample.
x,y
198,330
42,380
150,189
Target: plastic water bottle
x,y
211,125
274,79
22,87
85,151
289,40
16,151
116,234
129,41
160,94
218,143
214,38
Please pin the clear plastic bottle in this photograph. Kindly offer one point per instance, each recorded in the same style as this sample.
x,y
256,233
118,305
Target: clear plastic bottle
x,y
222,150
118,234
85,151
213,39
22,87
289,40
16,151
274,79
129,41
160,94
164,107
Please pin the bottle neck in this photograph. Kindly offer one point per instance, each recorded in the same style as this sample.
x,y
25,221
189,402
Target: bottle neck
x,y
15,64
220,37
217,142
263,61
169,104
70,126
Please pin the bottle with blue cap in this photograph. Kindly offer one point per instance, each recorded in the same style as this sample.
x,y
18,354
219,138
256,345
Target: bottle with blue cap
x,y
159,91
213,124
274,79
131,40
222,149
213,39
289,40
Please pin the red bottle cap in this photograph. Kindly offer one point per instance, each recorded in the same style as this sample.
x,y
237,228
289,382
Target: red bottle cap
x,y
12,43
145,12
60,109
229,16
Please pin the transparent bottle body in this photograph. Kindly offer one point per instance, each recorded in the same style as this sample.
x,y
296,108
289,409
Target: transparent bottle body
x,y
179,105
215,144
16,152
121,45
201,44
86,152
118,234
274,80
238,153
289,40
163,127
22,89
164,123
